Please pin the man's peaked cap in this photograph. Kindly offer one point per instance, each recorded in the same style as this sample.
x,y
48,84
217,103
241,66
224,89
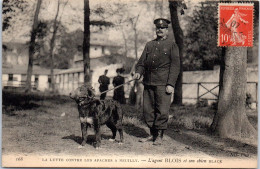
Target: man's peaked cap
x,y
161,23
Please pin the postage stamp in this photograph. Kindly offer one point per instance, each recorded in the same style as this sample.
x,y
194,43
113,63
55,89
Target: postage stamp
x,y
235,26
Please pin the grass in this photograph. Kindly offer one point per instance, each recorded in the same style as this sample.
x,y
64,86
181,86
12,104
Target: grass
x,y
187,116
49,124
191,117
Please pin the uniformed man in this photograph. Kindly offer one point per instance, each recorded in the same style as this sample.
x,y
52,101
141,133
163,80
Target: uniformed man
x,y
159,65
103,80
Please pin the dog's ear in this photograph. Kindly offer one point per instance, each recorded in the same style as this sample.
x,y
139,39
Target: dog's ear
x,y
86,91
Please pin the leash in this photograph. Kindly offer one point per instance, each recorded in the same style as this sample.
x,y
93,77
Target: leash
x,y
117,86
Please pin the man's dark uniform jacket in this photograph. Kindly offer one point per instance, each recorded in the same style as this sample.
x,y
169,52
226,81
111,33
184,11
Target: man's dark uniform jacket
x,y
159,63
104,82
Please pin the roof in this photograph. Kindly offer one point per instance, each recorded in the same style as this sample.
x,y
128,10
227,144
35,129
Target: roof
x,y
22,69
96,39
102,40
71,70
37,70
94,63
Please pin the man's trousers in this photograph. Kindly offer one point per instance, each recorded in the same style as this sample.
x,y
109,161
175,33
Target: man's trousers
x,y
156,106
102,89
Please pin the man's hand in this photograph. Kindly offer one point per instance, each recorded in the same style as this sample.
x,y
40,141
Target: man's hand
x,y
169,89
137,76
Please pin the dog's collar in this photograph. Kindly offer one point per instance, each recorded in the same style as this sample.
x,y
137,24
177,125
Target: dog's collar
x,y
85,102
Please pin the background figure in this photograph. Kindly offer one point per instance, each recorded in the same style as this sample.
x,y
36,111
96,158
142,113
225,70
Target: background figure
x,y
103,80
119,93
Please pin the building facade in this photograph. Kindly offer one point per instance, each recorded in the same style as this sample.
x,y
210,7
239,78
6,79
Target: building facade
x,y
15,77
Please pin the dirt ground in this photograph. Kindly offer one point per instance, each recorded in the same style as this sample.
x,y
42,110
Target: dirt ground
x,y
52,128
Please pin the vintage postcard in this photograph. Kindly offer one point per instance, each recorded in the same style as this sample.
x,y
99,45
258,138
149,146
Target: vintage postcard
x,y
130,83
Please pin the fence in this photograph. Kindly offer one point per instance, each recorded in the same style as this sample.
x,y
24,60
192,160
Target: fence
x,y
18,84
209,91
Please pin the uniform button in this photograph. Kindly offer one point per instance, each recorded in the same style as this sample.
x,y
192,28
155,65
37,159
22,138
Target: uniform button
x,y
156,48
153,61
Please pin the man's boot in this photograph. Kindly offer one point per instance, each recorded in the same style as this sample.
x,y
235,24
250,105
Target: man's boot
x,y
158,138
149,138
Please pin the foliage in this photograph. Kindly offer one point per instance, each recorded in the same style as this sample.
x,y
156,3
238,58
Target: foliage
x,y
130,21
101,23
10,7
64,50
202,52
115,58
41,31
70,43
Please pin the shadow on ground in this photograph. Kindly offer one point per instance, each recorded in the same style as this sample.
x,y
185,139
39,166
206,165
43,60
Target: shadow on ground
x,y
135,131
212,145
13,101
78,139
9,108
90,140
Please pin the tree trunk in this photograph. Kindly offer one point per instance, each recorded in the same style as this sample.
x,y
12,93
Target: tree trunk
x,y
52,44
86,43
136,39
32,48
125,43
221,72
231,120
178,34
134,24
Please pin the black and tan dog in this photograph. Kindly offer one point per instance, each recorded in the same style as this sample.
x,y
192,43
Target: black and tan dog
x,y
94,113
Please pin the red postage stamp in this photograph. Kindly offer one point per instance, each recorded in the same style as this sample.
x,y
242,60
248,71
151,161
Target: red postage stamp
x,y
235,26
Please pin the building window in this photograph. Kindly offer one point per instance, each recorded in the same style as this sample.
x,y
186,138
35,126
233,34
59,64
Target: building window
x,y
10,77
36,78
49,79
23,78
